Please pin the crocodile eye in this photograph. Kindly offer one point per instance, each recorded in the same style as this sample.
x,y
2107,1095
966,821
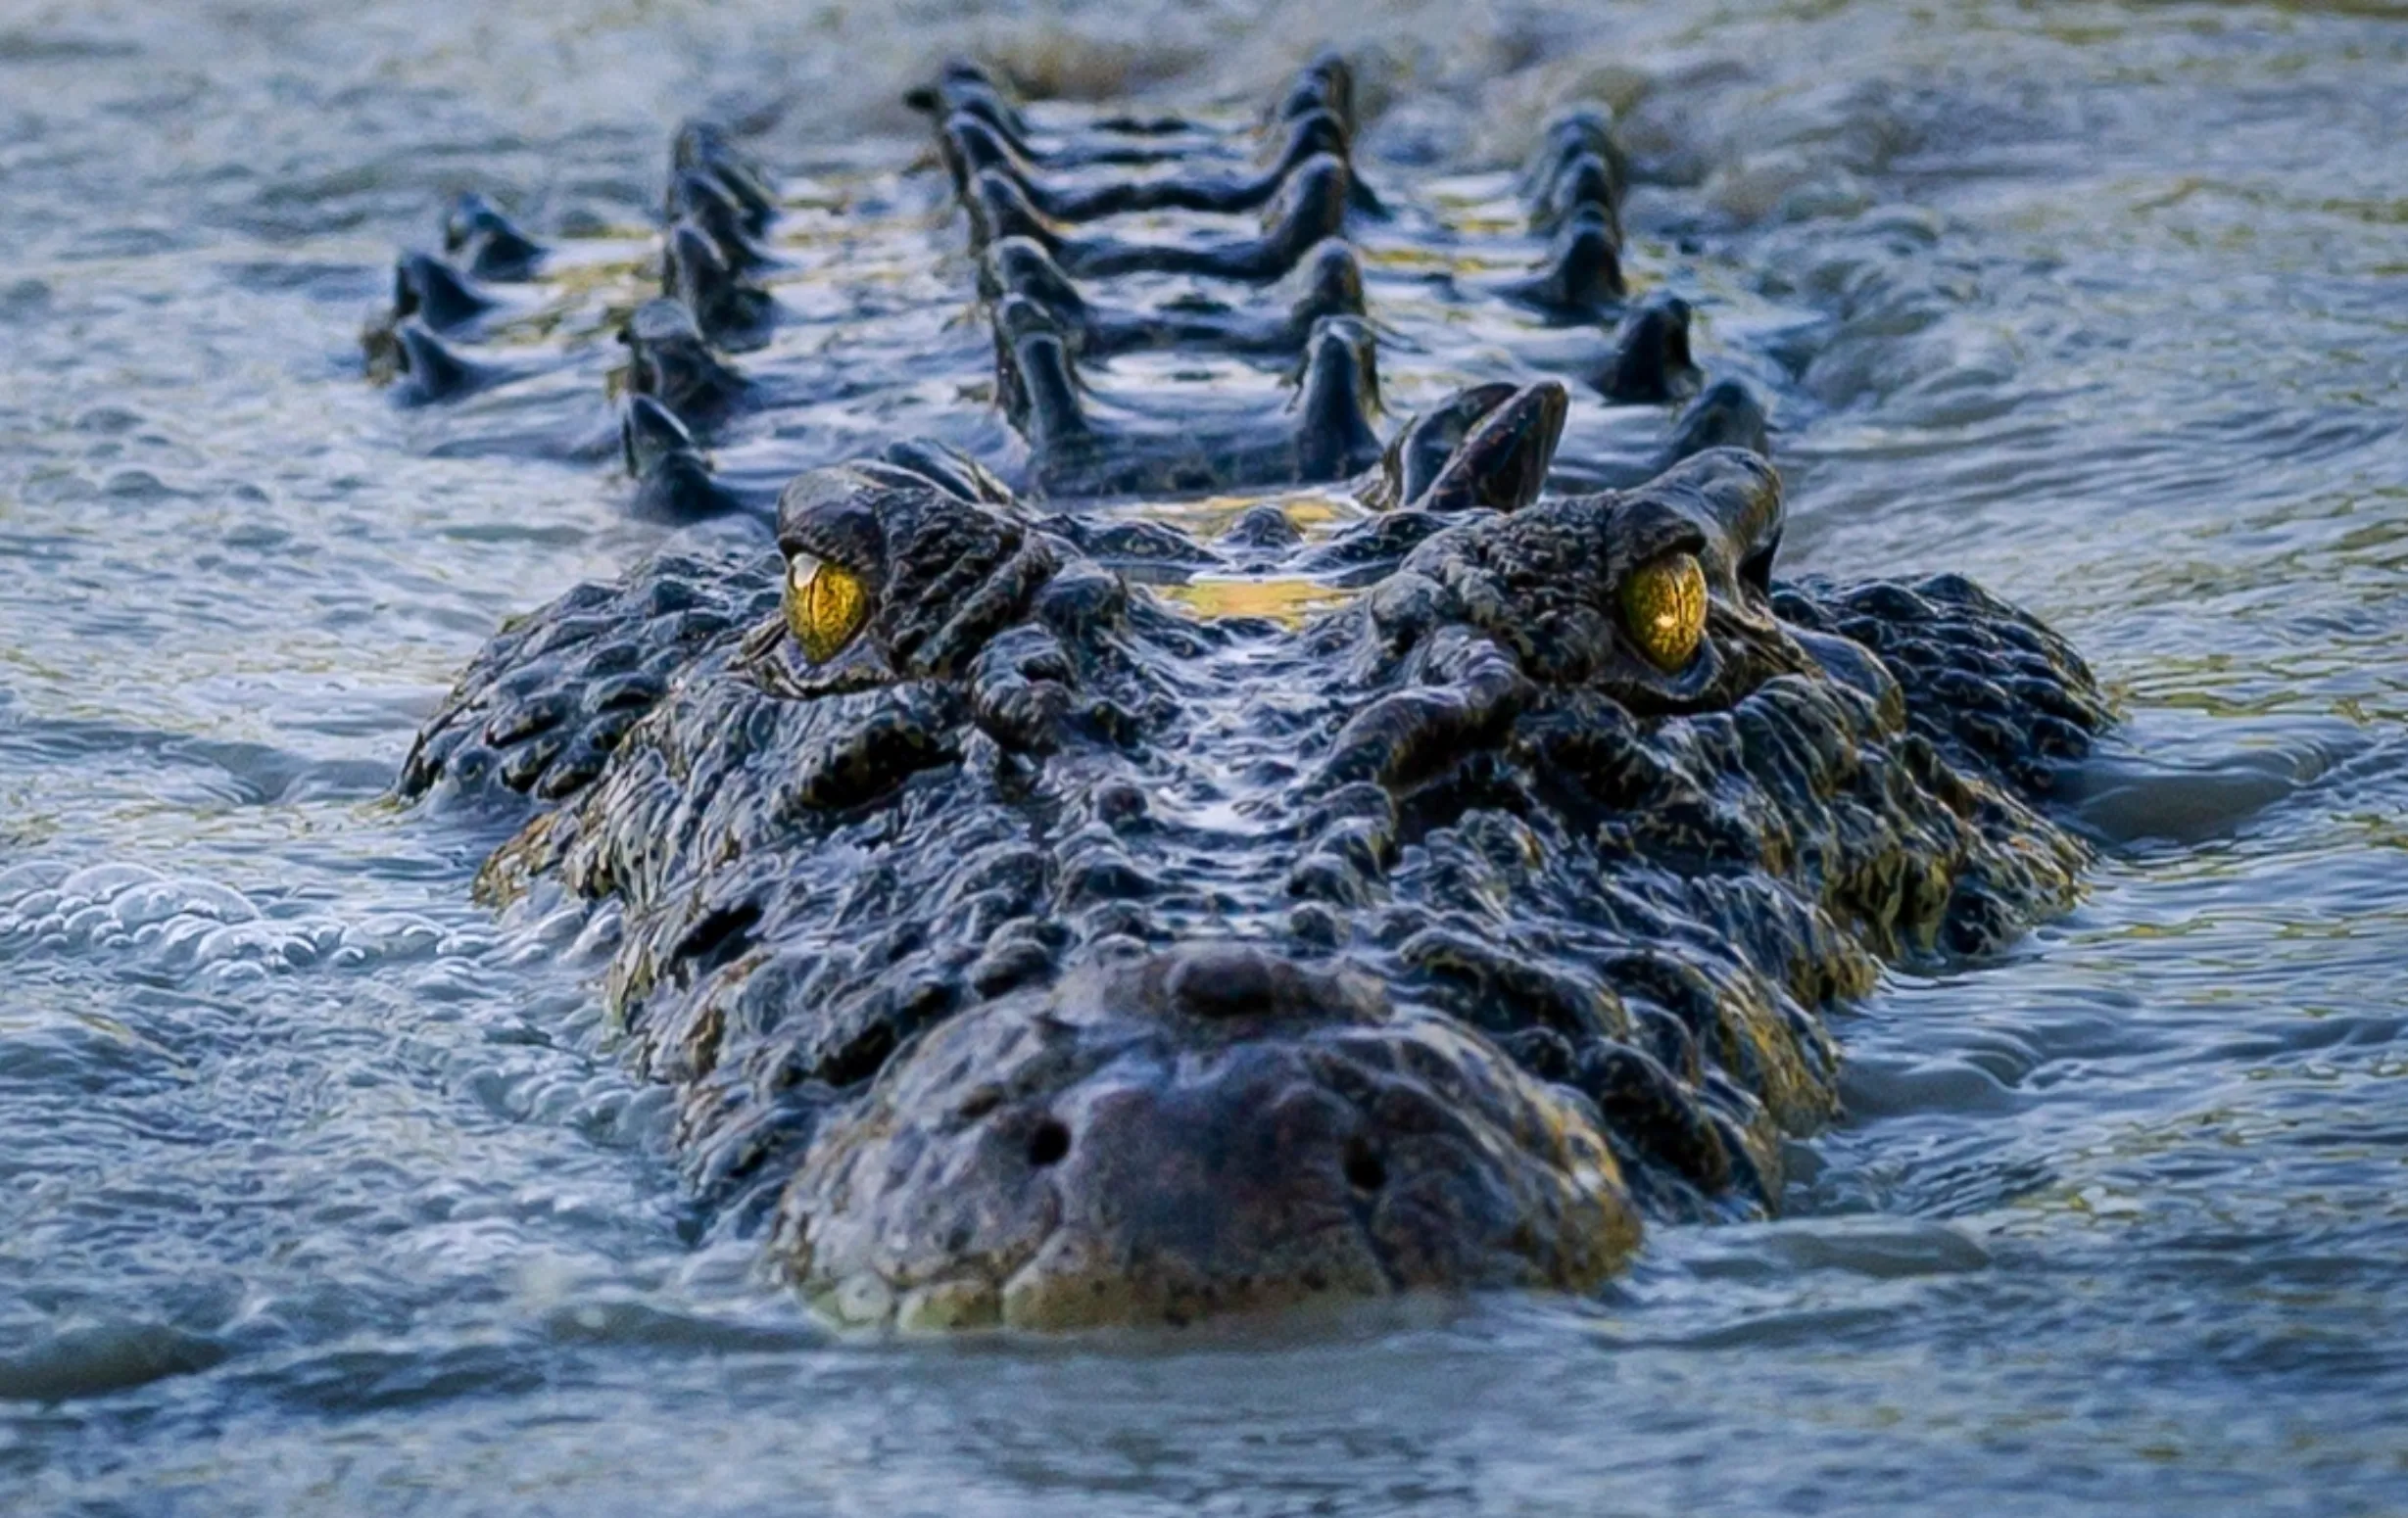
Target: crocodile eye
x,y
1663,610
825,606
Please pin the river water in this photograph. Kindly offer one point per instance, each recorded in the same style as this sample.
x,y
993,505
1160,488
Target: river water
x,y
321,1192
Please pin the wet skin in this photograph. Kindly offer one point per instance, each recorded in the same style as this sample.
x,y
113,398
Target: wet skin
x,y
1041,955
1028,946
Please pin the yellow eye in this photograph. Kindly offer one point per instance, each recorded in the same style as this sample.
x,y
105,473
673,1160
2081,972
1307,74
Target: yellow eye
x,y
825,606
1663,610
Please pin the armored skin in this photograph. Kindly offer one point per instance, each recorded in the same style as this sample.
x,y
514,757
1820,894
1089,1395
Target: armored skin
x,y
1030,943
1058,958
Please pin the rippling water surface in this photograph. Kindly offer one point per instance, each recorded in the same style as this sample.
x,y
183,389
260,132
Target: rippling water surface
x,y
323,1194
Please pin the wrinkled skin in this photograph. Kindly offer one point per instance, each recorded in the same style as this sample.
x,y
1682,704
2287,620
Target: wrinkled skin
x,y
1047,957
1253,1132
1027,949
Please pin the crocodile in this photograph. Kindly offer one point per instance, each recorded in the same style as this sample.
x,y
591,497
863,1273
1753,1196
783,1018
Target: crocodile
x,y
1058,898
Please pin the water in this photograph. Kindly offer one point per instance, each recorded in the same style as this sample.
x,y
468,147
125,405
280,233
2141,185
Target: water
x,y
323,1196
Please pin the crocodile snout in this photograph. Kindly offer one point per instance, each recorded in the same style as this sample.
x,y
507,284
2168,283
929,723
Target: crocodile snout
x,y
1209,1130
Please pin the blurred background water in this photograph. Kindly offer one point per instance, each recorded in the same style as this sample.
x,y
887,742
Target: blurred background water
x,y
323,1194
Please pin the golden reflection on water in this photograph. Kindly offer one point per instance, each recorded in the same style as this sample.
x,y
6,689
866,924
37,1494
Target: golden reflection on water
x,y
1287,599
590,288
596,279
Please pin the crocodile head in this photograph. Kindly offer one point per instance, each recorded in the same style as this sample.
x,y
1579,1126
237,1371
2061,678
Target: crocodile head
x,y
1035,953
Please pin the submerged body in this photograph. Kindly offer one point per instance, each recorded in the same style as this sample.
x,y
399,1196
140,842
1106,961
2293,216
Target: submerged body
x,y
1036,949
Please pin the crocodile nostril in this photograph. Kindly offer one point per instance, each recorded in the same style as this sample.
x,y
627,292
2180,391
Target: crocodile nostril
x,y
1364,1169
1049,1144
